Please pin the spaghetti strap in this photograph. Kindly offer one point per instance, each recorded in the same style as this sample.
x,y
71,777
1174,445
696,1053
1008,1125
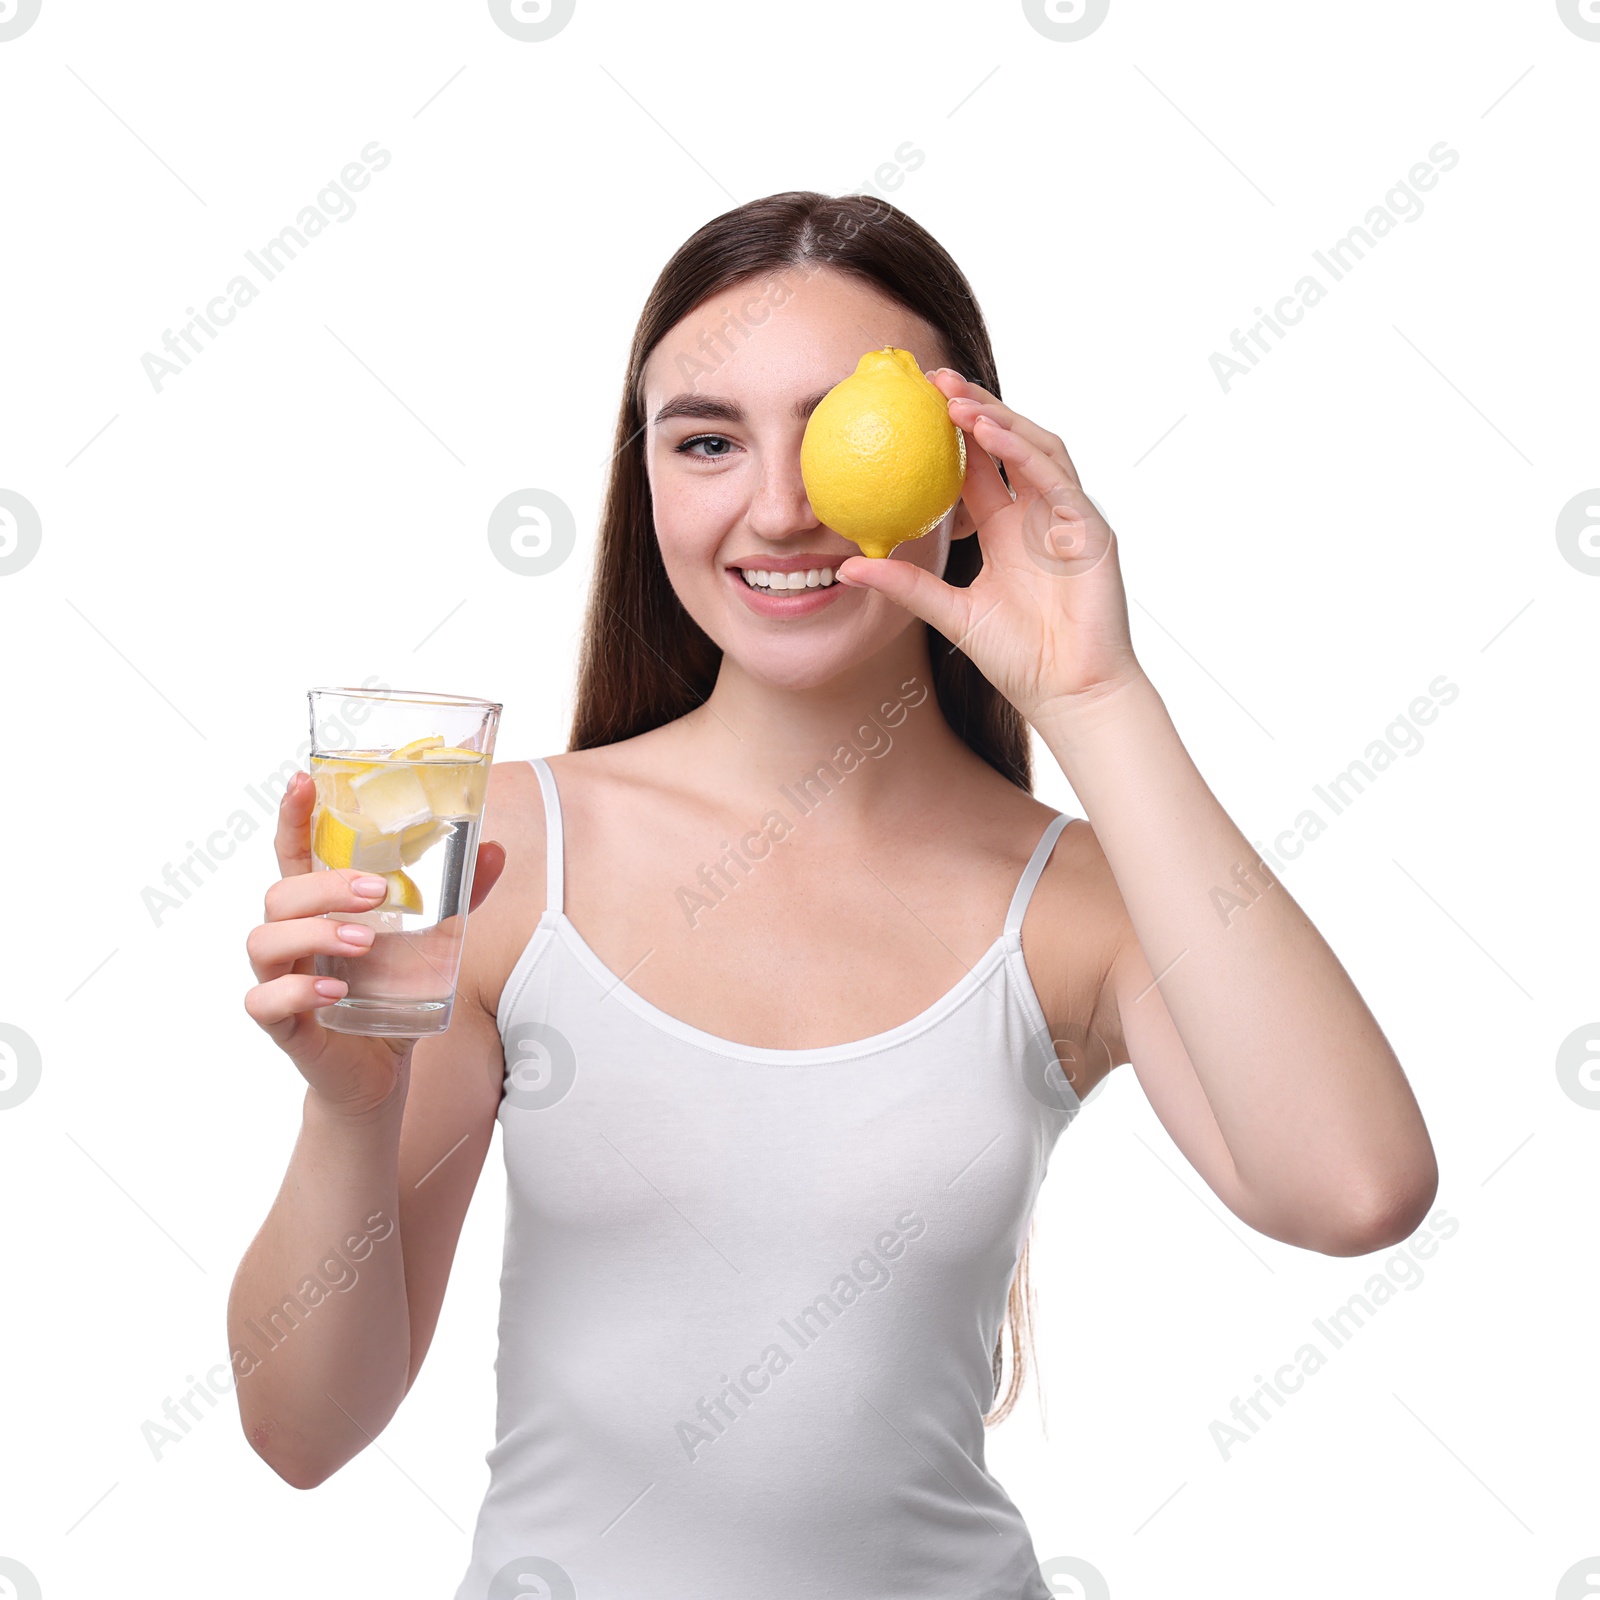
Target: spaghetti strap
x,y
1030,876
552,833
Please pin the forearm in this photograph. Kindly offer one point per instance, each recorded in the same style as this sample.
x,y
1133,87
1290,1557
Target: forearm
x,y
1306,1091
317,1316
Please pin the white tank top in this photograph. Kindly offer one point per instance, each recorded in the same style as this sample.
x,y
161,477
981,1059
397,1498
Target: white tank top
x,y
750,1296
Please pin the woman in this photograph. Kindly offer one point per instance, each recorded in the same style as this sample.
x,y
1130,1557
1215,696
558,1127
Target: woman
x,y
775,1119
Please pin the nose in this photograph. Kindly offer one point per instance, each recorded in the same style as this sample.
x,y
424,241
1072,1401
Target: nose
x,y
779,507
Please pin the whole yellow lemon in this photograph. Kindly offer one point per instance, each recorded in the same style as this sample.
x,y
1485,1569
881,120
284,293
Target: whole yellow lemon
x,y
881,459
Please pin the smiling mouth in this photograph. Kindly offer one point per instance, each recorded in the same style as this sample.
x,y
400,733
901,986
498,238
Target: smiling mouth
x,y
770,581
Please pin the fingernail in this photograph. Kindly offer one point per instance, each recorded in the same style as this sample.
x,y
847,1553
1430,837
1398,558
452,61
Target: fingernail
x,y
355,933
331,987
370,886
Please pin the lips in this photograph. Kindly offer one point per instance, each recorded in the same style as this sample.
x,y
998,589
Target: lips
x,y
795,563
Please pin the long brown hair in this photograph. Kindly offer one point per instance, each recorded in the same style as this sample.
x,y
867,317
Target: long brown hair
x,y
644,660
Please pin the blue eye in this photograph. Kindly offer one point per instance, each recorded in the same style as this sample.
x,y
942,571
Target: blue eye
x,y
685,449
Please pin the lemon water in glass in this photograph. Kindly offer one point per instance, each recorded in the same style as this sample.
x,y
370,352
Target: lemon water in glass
x,y
406,806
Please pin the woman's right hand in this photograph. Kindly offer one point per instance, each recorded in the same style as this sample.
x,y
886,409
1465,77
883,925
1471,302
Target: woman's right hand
x,y
352,1073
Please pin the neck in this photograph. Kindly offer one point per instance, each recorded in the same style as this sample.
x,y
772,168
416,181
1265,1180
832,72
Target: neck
x,y
870,743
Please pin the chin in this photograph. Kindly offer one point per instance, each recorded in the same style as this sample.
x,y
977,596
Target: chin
x,y
801,664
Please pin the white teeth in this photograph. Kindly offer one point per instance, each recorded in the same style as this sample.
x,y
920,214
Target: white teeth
x,y
809,578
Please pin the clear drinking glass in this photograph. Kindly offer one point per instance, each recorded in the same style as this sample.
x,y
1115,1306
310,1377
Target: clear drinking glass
x,y
406,806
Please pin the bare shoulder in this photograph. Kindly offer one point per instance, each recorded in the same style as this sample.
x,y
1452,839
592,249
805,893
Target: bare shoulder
x,y
511,784
600,775
1075,927
513,817
617,792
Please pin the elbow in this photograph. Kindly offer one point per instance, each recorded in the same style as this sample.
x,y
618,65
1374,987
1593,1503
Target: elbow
x,y
298,1471
1388,1219
299,1476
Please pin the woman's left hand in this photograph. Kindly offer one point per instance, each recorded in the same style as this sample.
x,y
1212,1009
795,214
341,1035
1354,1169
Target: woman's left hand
x,y
1046,618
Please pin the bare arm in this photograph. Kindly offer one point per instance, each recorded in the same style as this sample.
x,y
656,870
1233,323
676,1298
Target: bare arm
x,y
1254,1047
1249,1038
337,1296
318,1321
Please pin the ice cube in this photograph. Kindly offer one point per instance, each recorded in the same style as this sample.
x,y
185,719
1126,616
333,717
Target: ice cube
x,y
454,787
417,841
391,797
374,851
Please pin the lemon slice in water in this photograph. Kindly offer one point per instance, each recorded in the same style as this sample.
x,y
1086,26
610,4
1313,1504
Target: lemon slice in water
x,y
403,894
342,841
410,752
334,841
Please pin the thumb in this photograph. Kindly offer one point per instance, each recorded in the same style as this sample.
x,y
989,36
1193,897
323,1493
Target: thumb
x,y
491,863
913,587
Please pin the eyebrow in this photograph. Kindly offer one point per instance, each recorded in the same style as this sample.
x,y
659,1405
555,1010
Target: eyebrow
x,y
713,408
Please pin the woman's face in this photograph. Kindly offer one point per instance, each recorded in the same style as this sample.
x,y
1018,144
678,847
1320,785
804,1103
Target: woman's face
x,y
726,397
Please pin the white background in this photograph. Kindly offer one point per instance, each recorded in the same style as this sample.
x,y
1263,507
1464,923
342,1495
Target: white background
x,y
1373,506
